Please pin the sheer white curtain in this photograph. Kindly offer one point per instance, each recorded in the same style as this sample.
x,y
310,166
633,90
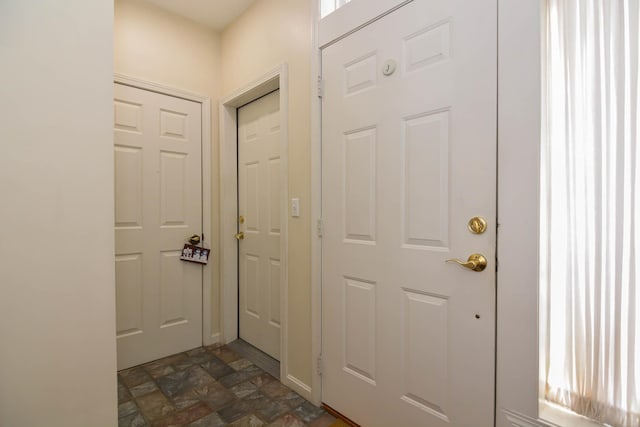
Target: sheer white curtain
x,y
590,260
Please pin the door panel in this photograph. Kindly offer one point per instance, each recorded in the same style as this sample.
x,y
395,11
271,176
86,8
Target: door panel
x,y
129,294
408,158
158,204
360,186
425,181
259,195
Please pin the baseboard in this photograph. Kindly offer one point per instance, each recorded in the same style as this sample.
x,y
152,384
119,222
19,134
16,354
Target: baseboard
x,y
213,339
298,386
520,420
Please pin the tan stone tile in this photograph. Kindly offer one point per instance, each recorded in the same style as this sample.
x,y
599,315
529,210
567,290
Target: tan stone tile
x,y
155,405
185,416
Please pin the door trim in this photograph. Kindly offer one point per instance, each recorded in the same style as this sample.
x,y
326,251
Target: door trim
x,y
519,128
276,78
352,17
316,208
208,336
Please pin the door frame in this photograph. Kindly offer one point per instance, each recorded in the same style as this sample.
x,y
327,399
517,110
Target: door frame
x,y
520,68
208,336
274,79
518,130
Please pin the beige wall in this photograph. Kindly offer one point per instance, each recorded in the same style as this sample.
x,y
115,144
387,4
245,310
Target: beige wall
x,y
57,292
269,33
157,46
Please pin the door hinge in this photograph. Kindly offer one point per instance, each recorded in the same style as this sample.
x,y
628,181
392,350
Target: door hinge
x,y
319,365
496,248
319,228
320,87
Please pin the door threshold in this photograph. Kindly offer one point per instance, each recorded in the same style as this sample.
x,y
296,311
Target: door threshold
x,y
339,416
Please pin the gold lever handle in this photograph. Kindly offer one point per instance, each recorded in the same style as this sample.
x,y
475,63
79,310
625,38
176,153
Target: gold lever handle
x,y
475,262
240,235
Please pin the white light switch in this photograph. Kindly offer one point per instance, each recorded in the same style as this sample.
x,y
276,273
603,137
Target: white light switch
x,y
295,208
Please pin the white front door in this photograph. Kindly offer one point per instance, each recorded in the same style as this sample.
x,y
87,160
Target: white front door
x,y
259,194
409,157
158,200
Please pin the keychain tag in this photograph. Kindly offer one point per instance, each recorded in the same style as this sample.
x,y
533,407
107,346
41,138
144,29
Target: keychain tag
x,y
194,253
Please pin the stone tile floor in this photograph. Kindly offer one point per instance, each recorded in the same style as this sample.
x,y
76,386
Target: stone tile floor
x,y
209,387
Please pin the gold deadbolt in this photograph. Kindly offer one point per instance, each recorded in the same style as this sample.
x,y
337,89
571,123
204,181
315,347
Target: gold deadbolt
x,y
475,262
477,225
241,219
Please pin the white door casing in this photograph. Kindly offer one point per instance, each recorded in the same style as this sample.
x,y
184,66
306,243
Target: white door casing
x,y
259,204
276,78
407,160
158,204
521,33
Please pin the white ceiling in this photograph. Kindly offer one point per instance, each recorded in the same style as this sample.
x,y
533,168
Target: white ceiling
x,y
216,14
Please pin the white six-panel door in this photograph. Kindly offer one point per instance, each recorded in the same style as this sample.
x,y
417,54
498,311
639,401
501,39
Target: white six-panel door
x,y
158,204
409,157
259,198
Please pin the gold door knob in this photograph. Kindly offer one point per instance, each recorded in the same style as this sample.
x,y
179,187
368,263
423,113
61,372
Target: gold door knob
x,y
475,262
240,235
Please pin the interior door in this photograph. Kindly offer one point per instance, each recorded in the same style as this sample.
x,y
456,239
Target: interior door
x,y
259,194
158,205
408,158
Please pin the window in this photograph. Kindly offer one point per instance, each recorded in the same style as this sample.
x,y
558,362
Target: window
x,y
328,6
590,210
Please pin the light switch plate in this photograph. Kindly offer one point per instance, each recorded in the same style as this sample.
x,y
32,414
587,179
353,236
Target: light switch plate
x,y
295,208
